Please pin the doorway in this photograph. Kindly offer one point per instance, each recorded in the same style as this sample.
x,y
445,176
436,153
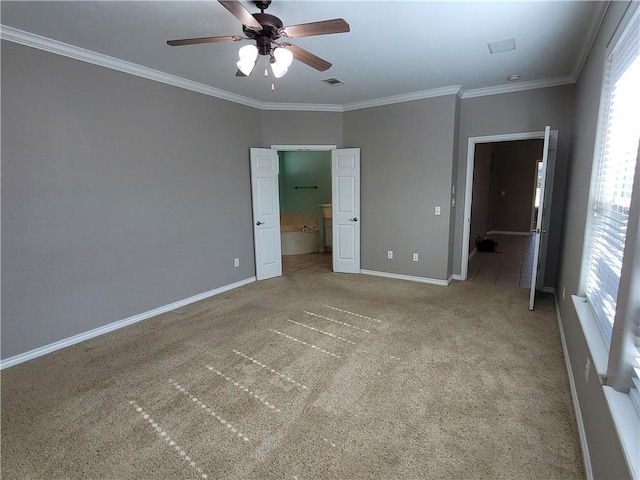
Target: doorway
x,y
345,208
504,210
304,181
546,188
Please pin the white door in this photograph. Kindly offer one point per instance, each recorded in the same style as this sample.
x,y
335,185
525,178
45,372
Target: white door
x,y
540,231
345,187
266,212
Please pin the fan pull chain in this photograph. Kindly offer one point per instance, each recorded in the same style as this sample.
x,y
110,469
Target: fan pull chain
x,y
273,87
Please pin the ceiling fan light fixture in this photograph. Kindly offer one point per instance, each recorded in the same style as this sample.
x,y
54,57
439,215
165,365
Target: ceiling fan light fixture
x,y
248,55
283,57
278,70
281,61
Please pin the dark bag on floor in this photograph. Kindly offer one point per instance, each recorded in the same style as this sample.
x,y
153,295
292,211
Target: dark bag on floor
x,y
485,244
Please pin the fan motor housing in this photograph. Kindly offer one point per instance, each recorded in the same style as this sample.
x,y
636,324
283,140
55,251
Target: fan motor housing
x,y
271,26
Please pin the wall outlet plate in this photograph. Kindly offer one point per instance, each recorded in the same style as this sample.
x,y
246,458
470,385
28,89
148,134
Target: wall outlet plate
x,y
390,254
236,262
437,210
415,257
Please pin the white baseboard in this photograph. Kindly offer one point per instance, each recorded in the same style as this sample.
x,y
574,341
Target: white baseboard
x,y
574,396
456,276
548,290
411,278
507,232
81,337
475,250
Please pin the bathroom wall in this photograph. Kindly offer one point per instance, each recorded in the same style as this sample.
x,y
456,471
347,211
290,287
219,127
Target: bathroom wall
x,y
304,169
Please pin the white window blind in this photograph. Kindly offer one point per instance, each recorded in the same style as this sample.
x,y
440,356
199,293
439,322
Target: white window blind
x,y
614,178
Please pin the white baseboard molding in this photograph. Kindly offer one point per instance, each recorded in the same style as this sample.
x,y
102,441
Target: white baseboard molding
x,y
475,250
506,232
457,276
574,396
548,290
411,278
81,337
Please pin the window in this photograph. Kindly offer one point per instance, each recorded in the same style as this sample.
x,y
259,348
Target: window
x,y
615,173
611,289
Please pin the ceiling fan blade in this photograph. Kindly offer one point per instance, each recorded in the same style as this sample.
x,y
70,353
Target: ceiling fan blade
x,y
237,10
307,57
195,41
337,25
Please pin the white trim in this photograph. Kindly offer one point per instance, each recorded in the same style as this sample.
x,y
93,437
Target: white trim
x,y
586,458
473,252
507,232
455,276
304,107
42,43
594,28
67,342
411,278
407,97
548,290
303,148
466,219
519,87
627,424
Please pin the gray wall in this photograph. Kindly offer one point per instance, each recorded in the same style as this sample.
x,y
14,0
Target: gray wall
x,y
119,195
604,448
407,152
513,172
301,128
527,111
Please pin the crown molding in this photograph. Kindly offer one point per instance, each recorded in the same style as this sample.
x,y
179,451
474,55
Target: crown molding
x,y
407,97
518,87
594,28
60,48
303,107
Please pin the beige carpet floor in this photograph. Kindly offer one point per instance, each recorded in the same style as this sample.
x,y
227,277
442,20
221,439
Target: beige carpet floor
x,y
301,377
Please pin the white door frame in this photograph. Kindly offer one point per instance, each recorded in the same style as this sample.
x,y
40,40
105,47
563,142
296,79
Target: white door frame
x,y
471,148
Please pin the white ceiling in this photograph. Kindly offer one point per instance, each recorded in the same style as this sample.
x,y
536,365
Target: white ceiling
x,y
395,48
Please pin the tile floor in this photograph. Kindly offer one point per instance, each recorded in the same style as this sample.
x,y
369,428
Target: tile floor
x,y
511,265
308,262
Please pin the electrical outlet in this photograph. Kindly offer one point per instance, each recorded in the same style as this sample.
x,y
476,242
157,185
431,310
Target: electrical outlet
x,y
437,210
390,254
587,367
453,202
563,292
236,262
415,257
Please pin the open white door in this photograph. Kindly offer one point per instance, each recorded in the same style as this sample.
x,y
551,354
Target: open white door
x,y
345,186
540,231
266,212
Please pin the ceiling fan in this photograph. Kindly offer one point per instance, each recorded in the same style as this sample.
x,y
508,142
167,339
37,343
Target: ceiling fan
x,y
265,29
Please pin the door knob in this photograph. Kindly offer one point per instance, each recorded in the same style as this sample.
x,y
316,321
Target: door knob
x,y
259,223
354,219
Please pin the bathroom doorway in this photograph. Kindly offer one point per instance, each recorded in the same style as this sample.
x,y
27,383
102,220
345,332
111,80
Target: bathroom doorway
x,y
304,181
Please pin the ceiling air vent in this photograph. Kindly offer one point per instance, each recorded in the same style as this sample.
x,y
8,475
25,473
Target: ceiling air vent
x,y
333,81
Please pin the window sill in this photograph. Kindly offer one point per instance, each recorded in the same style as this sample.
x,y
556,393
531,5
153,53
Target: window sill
x,y
627,425
621,408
